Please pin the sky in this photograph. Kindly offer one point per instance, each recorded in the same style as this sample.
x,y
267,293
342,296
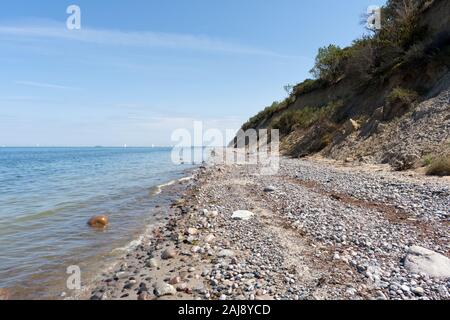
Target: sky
x,y
139,69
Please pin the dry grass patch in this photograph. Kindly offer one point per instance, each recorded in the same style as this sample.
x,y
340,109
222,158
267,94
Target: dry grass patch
x,y
439,167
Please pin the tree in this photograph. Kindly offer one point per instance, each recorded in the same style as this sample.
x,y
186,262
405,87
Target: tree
x,y
289,89
328,65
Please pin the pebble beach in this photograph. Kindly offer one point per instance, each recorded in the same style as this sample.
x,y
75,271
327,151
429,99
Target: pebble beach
x,y
317,229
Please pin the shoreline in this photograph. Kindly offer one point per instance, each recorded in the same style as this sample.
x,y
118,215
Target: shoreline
x,y
319,231
165,191
44,229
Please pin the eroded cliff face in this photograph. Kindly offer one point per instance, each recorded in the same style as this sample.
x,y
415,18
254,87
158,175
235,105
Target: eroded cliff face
x,y
399,115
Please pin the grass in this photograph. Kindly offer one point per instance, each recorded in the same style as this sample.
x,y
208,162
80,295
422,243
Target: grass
x,y
427,160
267,113
305,117
439,167
402,95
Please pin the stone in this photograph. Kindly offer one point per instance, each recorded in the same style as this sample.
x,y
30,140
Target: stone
x,y
405,288
164,289
269,189
351,291
169,253
242,215
144,296
226,253
356,126
153,262
192,231
196,249
143,287
213,214
99,296
422,260
175,280
418,291
98,222
209,238
351,126
182,287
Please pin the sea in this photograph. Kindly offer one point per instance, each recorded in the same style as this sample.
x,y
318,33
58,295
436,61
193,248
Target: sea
x,y
47,195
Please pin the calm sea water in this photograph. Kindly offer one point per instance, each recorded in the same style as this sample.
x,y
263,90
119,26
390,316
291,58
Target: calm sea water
x,y
48,194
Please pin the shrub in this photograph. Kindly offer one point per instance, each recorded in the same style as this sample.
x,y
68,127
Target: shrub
x,y
439,167
398,102
400,23
427,160
360,59
307,86
265,114
305,117
401,95
328,65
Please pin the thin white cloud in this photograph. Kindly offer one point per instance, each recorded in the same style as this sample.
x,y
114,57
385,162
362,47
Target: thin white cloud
x,y
135,39
44,85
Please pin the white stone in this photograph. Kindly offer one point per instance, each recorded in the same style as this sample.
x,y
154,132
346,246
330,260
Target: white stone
x,y
195,249
209,238
226,253
418,291
192,231
213,214
242,215
164,289
428,262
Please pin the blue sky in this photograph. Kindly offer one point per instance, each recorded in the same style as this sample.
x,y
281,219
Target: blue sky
x,y
139,69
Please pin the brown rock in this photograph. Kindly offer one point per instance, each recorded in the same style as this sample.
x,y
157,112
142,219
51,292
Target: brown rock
x,y
175,280
98,222
169,254
182,287
351,126
144,296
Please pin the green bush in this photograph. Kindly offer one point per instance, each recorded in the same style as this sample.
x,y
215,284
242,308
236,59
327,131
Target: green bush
x,y
401,95
266,114
305,117
400,23
439,167
360,59
401,43
427,160
329,62
307,86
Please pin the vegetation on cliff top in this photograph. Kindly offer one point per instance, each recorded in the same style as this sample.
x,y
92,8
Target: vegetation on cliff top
x,y
401,42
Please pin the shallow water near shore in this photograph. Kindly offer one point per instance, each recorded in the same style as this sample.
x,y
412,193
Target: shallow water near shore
x,y
48,194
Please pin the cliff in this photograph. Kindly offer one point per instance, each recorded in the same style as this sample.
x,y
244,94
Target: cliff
x,y
385,99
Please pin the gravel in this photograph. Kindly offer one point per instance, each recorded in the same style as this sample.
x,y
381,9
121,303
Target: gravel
x,y
323,231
